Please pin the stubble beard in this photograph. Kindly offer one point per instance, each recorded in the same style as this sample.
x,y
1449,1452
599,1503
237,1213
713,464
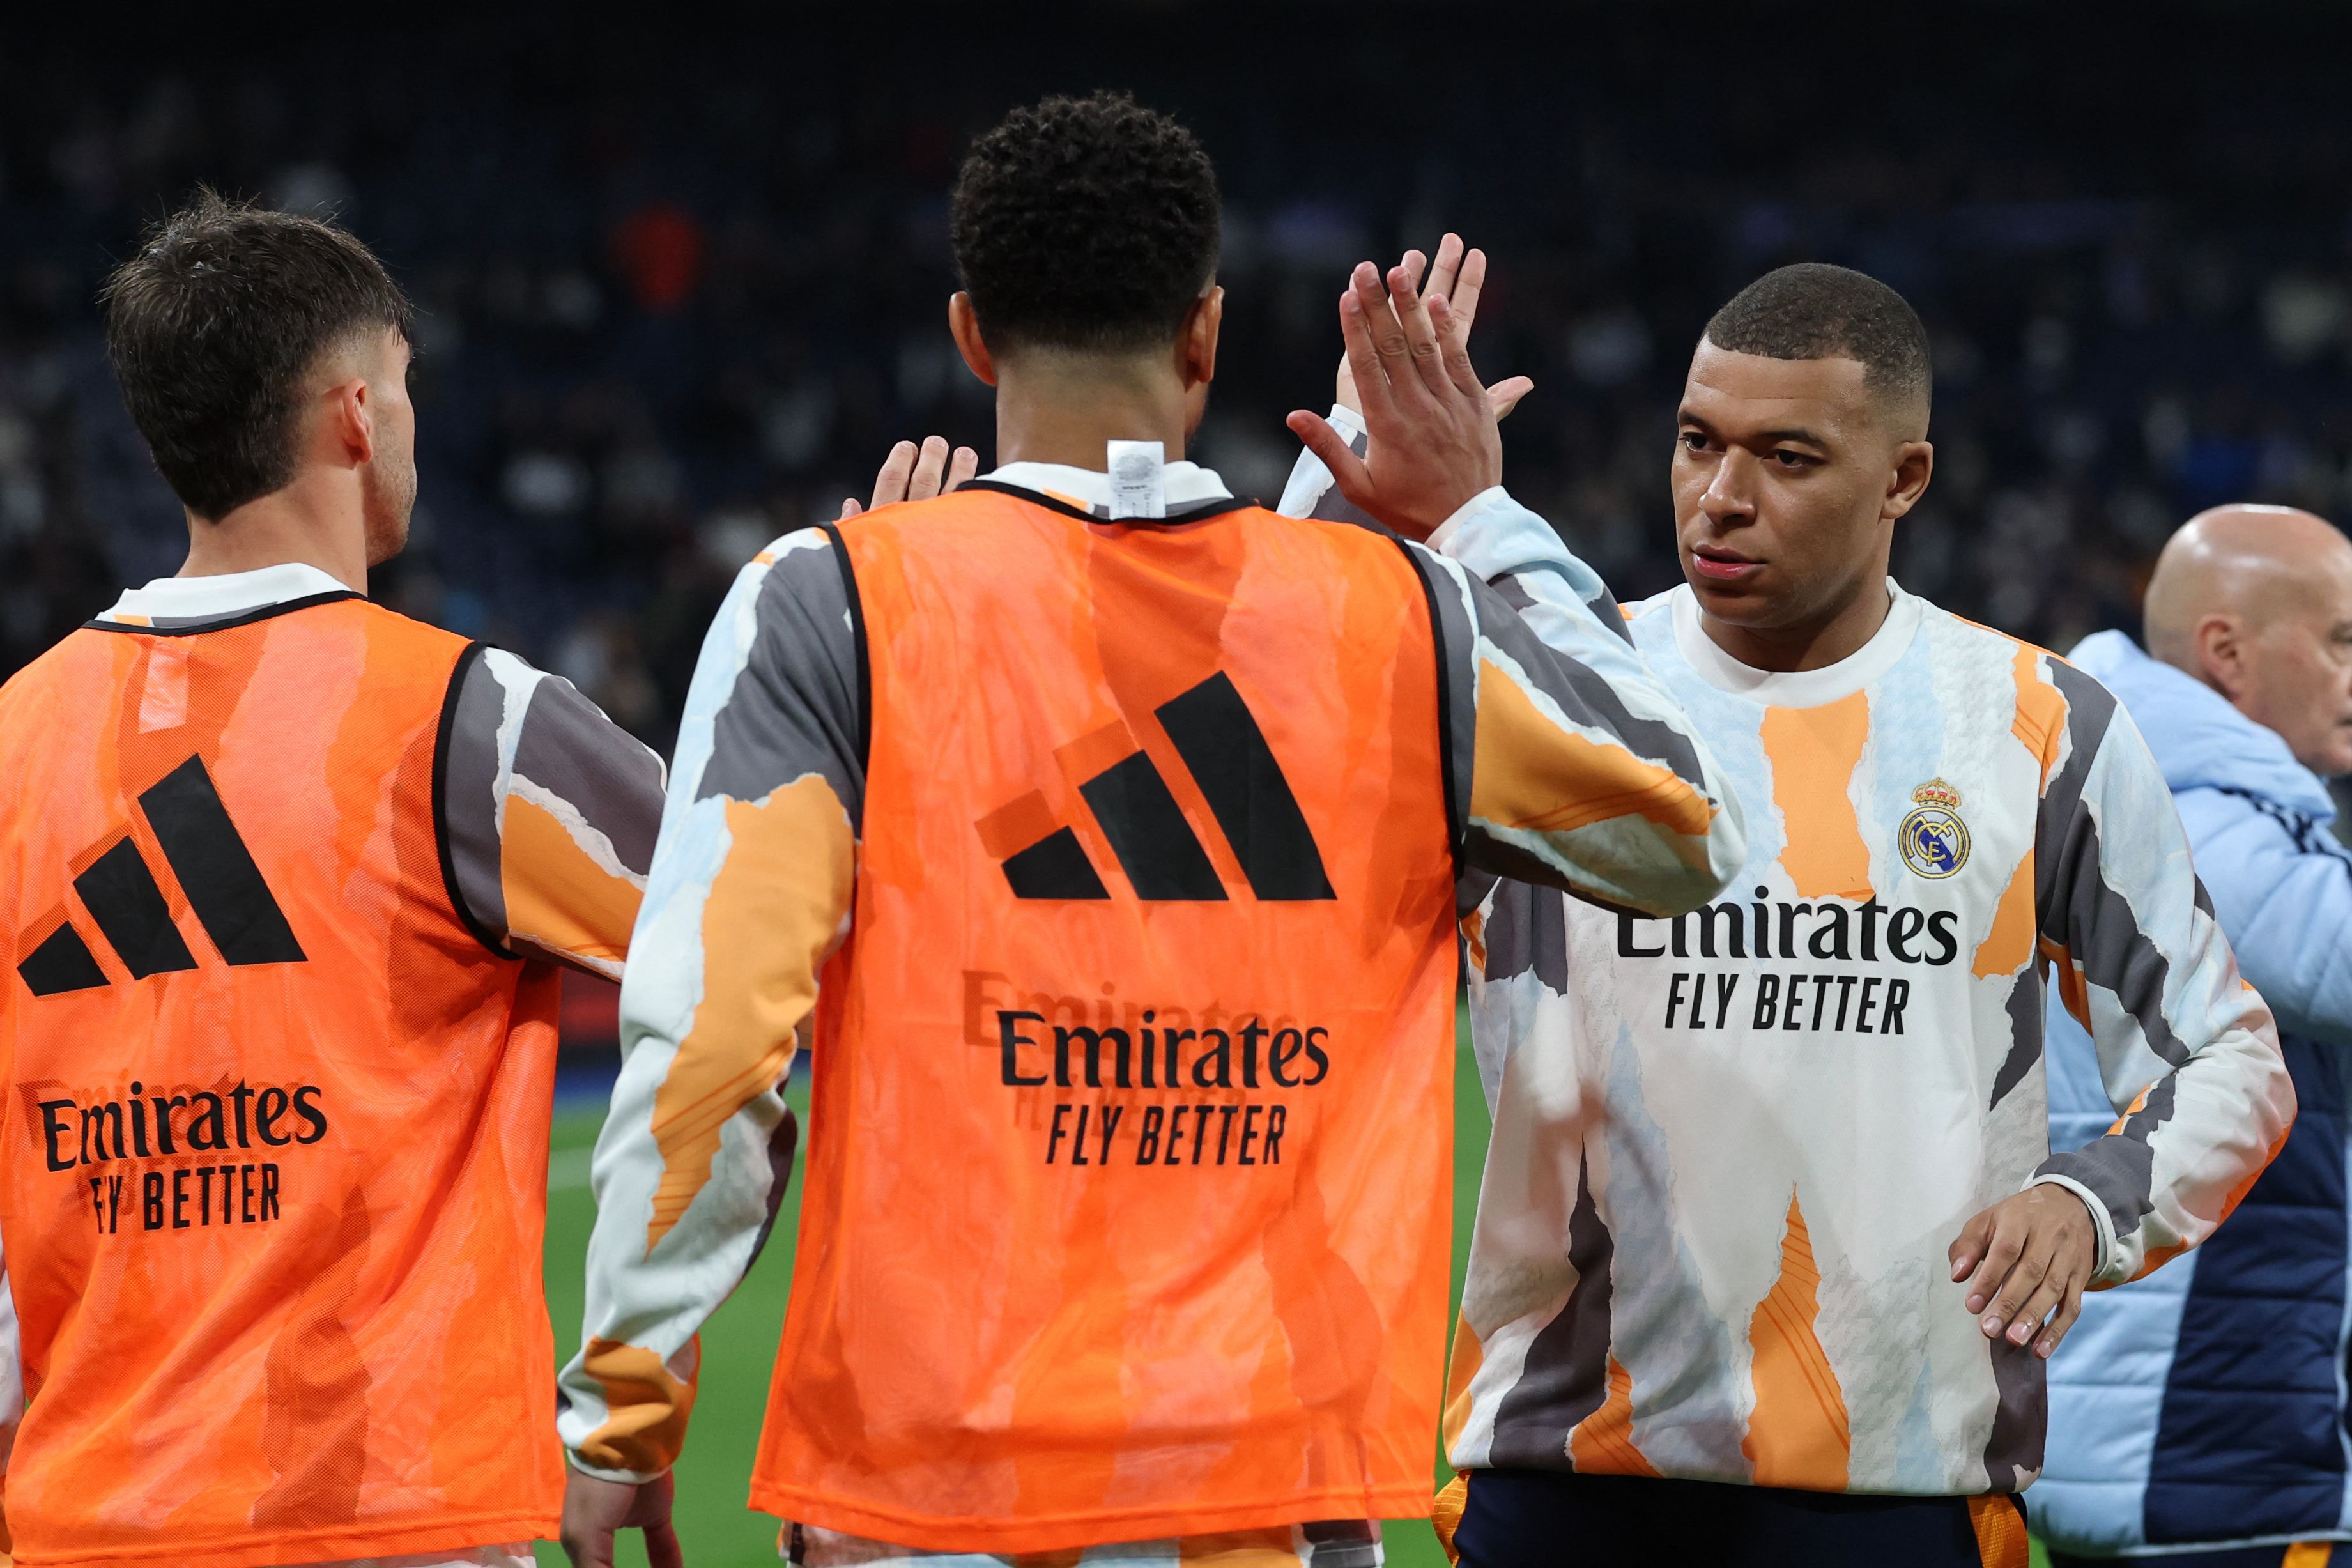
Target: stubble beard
x,y
390,497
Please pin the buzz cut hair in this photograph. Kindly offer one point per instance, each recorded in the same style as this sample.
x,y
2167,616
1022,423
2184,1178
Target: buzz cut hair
x,y
1087,224
1812,310
214,329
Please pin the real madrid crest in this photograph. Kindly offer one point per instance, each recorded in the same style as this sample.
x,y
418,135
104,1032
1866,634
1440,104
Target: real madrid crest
x,y
1934,839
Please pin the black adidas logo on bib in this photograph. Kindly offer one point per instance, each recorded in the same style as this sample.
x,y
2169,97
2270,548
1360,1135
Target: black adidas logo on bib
x,y
224,889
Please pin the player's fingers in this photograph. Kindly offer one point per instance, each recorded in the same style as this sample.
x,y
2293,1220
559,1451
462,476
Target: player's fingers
x,y
1468,287
1505,394
661,1549
930,469
1428,372
1391,354
650,1502
1454,351
1968,1248
2024,1276
891,483
2070,1307
849,508
1415,264
2044,1300
1446,268
1347,471
1371,379
2000,1254
963,466
589,1546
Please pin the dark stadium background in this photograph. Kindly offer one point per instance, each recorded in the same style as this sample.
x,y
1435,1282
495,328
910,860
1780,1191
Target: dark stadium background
x,y
683,280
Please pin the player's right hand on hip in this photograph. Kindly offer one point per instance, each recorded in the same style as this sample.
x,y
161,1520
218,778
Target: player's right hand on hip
x,y
2025,1261
595,1510
910,473
1433,439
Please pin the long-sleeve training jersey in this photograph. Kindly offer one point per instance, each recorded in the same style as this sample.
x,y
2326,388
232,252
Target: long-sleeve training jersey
x,y
1731,1148
741,914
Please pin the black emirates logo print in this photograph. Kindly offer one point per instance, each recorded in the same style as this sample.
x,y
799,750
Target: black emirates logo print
x,y
1227,756
224,889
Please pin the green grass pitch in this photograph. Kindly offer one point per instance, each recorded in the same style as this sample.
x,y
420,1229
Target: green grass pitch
x,y
738,1348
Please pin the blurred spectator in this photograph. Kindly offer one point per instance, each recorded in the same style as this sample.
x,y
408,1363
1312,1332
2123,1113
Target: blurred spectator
x,y
2198,1416
659,248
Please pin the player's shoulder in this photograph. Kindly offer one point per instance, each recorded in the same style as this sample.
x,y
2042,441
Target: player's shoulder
x,y
2053,697
795,571
815,540
42,681
1953,635
795,597
1955,632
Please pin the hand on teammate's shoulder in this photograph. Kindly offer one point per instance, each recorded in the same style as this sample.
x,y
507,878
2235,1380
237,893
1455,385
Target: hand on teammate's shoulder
x,y
912,473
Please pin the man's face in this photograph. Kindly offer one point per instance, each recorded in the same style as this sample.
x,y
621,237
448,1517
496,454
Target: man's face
x,y
1787,482
389,480
2295,676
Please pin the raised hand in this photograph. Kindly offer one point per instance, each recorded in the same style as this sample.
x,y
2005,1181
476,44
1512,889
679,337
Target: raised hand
x,y
1458,278
912,474
2026,1259
1434,445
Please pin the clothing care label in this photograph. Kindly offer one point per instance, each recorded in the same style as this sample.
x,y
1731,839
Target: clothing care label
x,y
1139,486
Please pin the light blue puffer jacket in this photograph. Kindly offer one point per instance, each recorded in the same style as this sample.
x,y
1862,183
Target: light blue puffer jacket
x,y
2207,1403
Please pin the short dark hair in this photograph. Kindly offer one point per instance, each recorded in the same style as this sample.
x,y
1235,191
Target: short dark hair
x,y
1086,223
212,328
1815,311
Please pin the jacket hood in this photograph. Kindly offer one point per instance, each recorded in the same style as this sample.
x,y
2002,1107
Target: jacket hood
x,y
2200,740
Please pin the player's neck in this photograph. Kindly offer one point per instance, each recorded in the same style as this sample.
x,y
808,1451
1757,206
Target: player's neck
x,y
1068,409
1816,643
318,521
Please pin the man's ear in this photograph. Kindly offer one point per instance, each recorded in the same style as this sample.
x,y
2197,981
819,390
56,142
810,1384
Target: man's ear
x,y
348,421
1915,465
964,325
1197,342
2219,643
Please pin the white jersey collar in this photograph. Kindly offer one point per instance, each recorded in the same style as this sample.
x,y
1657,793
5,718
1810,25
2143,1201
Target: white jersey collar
x,y
1802,688
1186,482
227,594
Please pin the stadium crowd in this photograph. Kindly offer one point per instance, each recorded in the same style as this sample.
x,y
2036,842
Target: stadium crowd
x,y
667,316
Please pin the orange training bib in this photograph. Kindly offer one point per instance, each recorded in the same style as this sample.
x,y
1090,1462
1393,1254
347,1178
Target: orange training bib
x,y
1131,1158
273,1156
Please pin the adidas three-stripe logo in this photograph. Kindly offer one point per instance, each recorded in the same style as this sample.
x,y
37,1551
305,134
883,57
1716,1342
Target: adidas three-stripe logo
x,y
224,887
1218,738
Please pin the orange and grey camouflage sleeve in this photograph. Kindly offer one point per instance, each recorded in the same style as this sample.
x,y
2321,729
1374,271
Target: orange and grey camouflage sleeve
x,y
548,813
750,891
1583,772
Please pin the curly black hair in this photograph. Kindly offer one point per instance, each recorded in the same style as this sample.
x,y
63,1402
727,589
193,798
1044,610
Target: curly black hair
x,y
1086,223
1815,311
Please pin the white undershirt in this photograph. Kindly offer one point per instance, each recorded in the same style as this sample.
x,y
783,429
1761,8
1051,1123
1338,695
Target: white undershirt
x,y
1186,482
1795,688
224,593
